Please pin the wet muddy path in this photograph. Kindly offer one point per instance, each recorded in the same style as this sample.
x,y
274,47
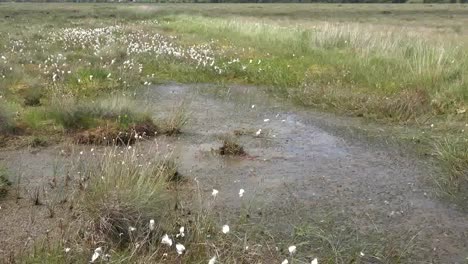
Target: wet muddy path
x,y
301,168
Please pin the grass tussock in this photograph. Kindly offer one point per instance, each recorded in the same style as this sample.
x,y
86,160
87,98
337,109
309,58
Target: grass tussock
x,y
454,154
110,121
4,182
172,125
7,122
231,147
122,195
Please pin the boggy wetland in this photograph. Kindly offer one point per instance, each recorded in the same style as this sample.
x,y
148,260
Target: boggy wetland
x,y
220,133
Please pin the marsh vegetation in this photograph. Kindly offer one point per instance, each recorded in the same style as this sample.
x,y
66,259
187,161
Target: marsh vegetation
x,y
74,79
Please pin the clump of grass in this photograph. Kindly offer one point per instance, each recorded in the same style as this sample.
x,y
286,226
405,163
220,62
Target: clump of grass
x,y
4,182
454,154
231,147
169,167
122,195
37,142
33,95
173,124
7,123
111,121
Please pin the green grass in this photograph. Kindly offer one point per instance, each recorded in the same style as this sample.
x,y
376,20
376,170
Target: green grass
x,y
84,115
7,122
123,194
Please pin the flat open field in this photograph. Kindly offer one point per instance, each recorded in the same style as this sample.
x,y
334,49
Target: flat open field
x,y
233,133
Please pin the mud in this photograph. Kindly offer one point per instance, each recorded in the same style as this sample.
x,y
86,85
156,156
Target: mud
x,y
300,167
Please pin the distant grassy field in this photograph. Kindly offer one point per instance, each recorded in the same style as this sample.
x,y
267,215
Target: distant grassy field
x,y
65,68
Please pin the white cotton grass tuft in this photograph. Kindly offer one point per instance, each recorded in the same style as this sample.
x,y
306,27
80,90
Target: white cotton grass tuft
x,y
180,248
181,232
132,229
166,240
258,132
97,253
152,225
285,261
67,250
292,249
315,261
241,192
226,229
212,260
362,254
214,193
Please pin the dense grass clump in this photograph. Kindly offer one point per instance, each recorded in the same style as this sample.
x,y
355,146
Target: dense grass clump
x,y
454,154
4,182
231,147
123,195
7,123
109,121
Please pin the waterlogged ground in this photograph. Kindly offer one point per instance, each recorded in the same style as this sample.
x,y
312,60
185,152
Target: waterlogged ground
x,y
304,167
305,173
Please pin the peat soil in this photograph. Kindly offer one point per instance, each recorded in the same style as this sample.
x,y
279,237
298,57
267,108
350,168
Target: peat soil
x,y
301,167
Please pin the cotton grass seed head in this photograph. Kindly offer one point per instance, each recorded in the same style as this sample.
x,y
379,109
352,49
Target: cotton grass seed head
x,y
292,249
166,240
212,260
241,192
180,249
225,229
214,193
97,253
315,261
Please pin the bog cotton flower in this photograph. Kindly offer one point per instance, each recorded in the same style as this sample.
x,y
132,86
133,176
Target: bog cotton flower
x,y
292,249
212,260
181,232
214,193
180,249
67,250
285,261
166,240
241,192
258,132
225,229
97,253
152,224
315,261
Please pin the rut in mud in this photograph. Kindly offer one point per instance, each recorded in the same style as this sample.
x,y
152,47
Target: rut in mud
x,y
300,167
